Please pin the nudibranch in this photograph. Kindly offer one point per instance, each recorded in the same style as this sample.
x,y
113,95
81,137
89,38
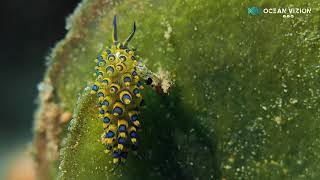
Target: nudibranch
x,y
118,90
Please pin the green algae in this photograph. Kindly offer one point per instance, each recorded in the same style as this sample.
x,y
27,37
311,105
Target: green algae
x,y
245,104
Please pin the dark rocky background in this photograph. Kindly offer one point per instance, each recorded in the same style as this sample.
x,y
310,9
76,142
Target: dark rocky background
x,y
29,29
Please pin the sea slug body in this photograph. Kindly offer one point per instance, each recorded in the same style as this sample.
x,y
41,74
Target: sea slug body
x,y
118,90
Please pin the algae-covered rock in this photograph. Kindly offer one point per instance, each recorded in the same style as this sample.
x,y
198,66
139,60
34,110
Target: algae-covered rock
x,y
245,103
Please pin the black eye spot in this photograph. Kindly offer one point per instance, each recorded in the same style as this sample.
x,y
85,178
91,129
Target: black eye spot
x,y
149,81
108,51
123,58
111,57
142,103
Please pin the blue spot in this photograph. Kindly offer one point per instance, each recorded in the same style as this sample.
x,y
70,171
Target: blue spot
x,y
100,94
124,154
121,140
100,58
106,120
134,73
126,96
109,68
101,111
98,73
116,154
133,134
105,102
108,51
109,134
105,81
95,88
136,91
122,128
127,79
142,103
118,110
134,117
139,83
102,63
133,57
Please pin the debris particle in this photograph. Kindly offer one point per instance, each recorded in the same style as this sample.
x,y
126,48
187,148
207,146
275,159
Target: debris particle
x,y
278,120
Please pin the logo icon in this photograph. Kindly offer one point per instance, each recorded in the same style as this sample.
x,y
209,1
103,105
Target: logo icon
x,y
254,10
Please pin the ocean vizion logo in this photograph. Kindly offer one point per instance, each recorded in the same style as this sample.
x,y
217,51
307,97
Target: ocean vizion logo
x,y
285,12
254,10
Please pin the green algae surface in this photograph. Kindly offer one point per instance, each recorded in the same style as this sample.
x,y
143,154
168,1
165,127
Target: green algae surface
x,y
246,98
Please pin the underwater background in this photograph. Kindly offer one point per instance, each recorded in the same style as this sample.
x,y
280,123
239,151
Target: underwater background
x,y
28,32
244,103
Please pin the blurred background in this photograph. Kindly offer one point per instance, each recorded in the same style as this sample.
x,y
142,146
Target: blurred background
x,y
29,29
